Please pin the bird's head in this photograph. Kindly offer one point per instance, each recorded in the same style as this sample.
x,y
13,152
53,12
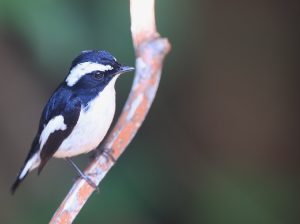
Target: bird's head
x,y
94,70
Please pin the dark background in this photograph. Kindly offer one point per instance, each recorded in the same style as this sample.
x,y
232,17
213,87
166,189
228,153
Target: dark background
x,y
221,141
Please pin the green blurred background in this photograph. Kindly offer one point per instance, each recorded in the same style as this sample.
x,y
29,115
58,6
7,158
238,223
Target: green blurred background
x,y
221,141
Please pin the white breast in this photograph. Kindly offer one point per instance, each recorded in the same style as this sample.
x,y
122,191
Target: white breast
x,y
92,125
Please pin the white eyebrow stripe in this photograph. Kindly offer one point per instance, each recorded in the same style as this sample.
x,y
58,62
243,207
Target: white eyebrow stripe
x,y
83,68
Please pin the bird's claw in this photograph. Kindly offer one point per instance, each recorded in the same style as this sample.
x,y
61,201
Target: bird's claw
x,y
107,153
87,180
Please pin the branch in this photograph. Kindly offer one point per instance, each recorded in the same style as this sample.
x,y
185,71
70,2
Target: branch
x,y
150,52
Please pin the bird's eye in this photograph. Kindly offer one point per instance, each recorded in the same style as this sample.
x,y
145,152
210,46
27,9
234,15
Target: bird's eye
x,y
98,75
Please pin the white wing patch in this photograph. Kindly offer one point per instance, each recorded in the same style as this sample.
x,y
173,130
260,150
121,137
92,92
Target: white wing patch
x,y
56,123
83,68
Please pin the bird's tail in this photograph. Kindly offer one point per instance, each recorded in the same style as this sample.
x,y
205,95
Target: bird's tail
x,y
16,183
29,165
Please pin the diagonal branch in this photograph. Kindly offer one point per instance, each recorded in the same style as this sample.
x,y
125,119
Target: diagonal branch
x,y
150,52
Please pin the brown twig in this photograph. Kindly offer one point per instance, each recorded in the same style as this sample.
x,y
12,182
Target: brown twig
x,y
150,52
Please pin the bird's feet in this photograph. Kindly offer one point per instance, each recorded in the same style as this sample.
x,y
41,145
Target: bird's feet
x,y
87,179
83,176
107,153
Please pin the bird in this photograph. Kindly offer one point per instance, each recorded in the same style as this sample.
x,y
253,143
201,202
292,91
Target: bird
x,y
78,114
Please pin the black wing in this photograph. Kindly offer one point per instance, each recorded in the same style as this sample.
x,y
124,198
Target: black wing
x,y
65,103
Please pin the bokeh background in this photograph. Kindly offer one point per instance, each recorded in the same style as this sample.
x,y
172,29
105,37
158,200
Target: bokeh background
x,y
221,141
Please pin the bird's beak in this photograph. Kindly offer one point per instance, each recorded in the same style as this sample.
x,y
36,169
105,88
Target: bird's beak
x,y
124,69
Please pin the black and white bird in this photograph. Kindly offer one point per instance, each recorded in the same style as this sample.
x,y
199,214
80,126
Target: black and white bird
x,y
78,114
